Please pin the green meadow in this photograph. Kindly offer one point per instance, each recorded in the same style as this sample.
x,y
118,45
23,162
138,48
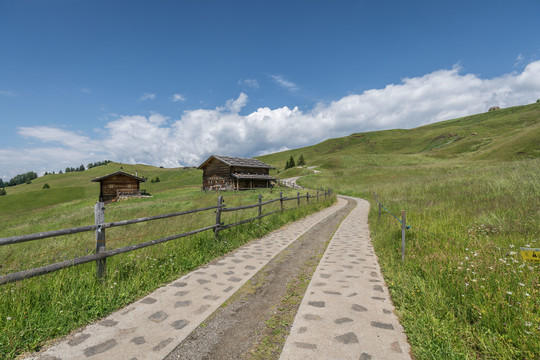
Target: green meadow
x,y
471,191
36,310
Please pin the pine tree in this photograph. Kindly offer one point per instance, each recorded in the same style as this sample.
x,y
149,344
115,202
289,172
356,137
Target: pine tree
x,y
287,165
301,161
291,162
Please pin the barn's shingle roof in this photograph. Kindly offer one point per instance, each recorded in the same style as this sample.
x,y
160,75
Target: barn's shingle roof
x,y
237,161
120,173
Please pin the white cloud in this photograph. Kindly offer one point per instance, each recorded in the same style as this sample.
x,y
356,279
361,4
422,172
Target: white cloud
x,y
281,81
147,96
178,97
188,140
249,83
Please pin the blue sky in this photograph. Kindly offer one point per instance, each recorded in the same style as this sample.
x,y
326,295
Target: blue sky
x,y
171,82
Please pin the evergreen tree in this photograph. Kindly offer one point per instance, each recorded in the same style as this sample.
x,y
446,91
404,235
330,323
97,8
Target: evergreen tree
x,y
157,179
301,161
81,168
46,186
287,165
60,172
3,192
291,162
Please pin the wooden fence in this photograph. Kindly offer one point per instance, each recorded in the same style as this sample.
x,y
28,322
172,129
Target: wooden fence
x,y
101,254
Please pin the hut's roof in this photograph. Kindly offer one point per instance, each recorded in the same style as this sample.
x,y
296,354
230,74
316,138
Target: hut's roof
x,y
119,173
237,161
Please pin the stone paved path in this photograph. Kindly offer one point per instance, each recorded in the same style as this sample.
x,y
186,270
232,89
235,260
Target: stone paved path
x,y
346,312
153,326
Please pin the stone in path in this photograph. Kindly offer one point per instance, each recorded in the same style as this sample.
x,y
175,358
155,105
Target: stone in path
x,y
346,312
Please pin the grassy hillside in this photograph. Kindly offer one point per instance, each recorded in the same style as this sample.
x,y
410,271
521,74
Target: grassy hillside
x,y
169,178
471,191
505,134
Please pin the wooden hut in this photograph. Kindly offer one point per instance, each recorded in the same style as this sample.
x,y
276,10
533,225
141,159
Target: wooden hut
x,y
118,184
234,173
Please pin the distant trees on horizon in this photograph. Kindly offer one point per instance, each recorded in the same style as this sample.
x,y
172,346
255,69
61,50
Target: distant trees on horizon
x,y
31,175
19,179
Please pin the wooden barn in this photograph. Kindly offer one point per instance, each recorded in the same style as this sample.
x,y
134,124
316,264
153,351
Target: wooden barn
x,y
118,184
234,173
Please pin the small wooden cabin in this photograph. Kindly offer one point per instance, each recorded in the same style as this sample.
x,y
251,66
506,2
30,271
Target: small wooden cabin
x,y
234,173
118,184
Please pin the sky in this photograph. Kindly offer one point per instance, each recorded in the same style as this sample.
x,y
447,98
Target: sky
x,y
169,83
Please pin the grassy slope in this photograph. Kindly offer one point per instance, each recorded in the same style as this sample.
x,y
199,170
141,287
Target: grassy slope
x,y
506,134
472,201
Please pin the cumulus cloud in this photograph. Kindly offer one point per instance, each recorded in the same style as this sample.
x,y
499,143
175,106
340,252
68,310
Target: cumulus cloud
x,y
147,96
161,140
281,81
178,97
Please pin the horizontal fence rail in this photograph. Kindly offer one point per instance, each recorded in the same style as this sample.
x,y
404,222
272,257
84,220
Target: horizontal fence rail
x,y
48,234
101,253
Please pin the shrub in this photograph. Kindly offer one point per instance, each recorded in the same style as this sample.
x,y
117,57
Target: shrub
x,y
46,186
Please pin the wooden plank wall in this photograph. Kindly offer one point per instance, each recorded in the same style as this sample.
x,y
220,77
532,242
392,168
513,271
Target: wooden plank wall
x,y
110,185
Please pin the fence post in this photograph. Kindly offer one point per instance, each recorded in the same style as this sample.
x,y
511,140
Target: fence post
x,y
298,199
218,215
281,199
307,196
403,228
317,195
260,206
99,215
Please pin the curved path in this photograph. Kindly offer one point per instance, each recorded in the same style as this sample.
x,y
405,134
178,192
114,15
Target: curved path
x,y
345,314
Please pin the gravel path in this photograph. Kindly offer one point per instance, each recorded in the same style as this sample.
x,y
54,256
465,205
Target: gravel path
x,y
346,312
153,326
235,329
